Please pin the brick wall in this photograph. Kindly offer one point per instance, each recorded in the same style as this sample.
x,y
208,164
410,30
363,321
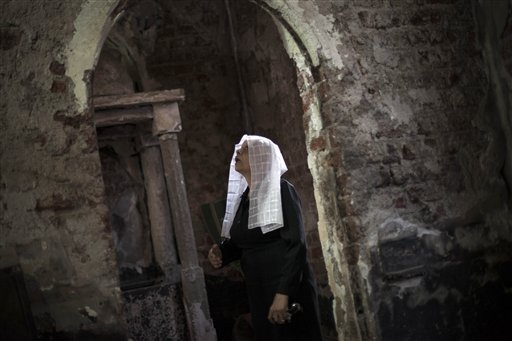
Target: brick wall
x,y
411,128
398,128
404,127
53,221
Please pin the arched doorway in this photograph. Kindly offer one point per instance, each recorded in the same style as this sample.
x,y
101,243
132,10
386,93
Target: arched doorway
x,y
212,107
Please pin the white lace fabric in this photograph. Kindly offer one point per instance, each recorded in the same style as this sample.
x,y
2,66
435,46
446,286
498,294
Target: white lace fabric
x,y
267,165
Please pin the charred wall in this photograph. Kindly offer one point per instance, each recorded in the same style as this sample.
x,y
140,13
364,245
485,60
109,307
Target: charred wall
x,y
407,130
54,222
423,204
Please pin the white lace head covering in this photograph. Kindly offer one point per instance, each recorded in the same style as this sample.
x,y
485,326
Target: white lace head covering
x,y
267,165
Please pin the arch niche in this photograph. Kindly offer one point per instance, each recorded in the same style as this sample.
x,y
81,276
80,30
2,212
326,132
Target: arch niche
x,y
308,39
301,40
92,27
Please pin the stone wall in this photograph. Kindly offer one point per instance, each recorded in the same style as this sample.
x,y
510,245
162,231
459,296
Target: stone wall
x,y
401,87
407,130
419,217
53,219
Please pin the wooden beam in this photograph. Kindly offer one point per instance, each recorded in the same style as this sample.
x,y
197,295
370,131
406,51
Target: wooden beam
x,y
115,117
138,98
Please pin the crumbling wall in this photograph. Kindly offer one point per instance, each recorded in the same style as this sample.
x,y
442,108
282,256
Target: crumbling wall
x,y
405,129
438,260
414,231
53,218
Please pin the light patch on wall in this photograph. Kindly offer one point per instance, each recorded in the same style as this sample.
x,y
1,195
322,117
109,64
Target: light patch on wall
x,y
399,110
290,45
390,226
313,109
367,126
316,31
365,271
91,29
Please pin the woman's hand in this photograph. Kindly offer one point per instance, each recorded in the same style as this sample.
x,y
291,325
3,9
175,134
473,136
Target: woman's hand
x,y
278,312
215,256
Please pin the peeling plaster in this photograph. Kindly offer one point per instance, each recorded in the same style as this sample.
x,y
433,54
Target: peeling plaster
x,y
290,45
367,126
423,231
90,312
314,126
316,31
365,272
398,109
91,29
383,218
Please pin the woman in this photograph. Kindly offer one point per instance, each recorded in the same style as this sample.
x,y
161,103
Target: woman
x,y
263,228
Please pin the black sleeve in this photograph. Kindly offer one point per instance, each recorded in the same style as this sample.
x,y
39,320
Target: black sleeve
x,y
230,252
293,233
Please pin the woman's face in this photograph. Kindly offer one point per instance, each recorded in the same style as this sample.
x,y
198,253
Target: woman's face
x,y
242,164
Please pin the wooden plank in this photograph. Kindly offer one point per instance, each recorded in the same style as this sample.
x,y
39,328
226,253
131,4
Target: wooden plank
x,y
107,118
138,98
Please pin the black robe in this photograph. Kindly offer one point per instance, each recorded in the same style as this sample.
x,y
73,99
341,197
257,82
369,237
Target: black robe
x,y
272,263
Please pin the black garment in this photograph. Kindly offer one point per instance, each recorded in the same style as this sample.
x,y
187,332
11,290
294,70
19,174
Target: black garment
x,y
272,263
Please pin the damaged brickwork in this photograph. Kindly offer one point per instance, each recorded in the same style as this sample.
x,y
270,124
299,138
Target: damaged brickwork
x,y
53,217
401,109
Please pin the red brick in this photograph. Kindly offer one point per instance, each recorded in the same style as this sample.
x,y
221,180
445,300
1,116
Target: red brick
x,y
352,229
318,144
346,208
59,86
